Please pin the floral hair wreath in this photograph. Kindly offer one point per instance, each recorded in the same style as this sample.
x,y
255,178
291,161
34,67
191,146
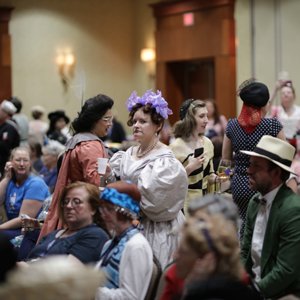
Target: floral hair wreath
x,y
154,99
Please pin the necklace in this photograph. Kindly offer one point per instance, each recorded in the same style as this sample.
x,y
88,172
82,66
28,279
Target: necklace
x,y
140,153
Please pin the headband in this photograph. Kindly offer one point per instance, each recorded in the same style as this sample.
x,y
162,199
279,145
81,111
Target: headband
x,y
127,204
184,108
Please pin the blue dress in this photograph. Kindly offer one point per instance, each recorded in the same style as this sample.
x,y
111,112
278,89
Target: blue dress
x,y
241,140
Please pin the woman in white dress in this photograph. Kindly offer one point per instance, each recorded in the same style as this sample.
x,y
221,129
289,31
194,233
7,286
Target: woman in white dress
x,y
160,177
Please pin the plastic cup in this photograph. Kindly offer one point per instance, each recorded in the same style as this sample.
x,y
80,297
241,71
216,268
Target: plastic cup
x,y
102,164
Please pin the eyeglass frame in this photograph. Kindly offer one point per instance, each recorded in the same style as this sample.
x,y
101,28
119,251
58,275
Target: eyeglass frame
x,y
75,202
107,119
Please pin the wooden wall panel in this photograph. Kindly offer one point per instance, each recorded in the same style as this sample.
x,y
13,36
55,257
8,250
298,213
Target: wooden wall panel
x,y
5,54
211,37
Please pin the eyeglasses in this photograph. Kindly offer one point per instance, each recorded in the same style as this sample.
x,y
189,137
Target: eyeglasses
x,y
107,119
74,202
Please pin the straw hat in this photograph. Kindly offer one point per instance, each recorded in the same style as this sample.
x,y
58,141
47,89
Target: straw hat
x,y
276,150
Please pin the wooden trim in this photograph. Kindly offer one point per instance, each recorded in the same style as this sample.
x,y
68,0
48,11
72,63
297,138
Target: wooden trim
x,y
172,8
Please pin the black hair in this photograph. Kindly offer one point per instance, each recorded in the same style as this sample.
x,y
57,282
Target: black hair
x,y
92,110
17,103
8,256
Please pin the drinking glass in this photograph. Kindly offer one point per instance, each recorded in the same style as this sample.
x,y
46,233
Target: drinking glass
x,y
224,172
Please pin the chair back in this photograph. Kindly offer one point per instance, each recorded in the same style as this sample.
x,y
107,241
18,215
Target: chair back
x,y
156,273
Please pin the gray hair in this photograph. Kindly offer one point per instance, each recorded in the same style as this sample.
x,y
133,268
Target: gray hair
x,y
54,148
215,204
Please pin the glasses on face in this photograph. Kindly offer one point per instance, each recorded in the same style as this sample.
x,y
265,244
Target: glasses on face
x,y
107,119
74,202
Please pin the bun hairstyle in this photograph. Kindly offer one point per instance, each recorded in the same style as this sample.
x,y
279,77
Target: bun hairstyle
x,y
254,93
92,110
126,188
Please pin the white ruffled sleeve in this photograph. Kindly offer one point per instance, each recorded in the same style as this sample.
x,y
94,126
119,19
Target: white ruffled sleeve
x,y
116,161
163,184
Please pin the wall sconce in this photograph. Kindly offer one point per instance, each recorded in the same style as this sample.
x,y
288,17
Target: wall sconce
x,y
148,57
65,61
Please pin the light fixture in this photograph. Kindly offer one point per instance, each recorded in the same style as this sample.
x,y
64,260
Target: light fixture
x,y
65,61
148,57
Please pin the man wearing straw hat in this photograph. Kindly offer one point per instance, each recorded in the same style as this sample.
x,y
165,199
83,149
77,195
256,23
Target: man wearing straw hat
x,y
271,244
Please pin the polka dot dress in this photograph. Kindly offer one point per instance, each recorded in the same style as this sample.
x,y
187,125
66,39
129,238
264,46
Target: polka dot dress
x,y
241,140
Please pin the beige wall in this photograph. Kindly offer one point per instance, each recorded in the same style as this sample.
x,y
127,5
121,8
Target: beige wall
x,y
106,36
268,41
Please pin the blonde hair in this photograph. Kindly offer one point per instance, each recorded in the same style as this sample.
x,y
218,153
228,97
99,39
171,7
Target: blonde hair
x,y
213,233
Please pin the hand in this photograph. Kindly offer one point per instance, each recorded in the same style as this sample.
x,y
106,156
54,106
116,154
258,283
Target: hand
x,y
195,162
8,170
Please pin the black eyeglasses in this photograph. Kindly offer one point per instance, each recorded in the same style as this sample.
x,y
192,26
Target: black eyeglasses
x,y
74,202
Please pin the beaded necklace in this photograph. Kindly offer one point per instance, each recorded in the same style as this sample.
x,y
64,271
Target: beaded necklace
x,y
140,154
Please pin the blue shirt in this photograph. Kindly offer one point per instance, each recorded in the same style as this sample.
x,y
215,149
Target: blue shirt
x,y
33,188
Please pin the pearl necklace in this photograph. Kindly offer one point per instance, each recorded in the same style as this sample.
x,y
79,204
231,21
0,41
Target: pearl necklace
x,y
140,154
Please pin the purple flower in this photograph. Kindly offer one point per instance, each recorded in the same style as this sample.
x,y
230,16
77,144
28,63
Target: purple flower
x,y
154,99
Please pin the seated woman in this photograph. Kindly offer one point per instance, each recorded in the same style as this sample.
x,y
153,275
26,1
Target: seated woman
x,y
127,258
208,257
82,237
51,152
20,192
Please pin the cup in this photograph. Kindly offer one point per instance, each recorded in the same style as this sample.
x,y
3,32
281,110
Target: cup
x,y
102,164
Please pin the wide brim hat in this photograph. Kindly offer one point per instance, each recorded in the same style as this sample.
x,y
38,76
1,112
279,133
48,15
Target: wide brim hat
x,y
255,94
58,114
275,150
8,107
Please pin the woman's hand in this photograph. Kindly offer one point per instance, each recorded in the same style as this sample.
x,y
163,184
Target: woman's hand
x,y
194,163
8,170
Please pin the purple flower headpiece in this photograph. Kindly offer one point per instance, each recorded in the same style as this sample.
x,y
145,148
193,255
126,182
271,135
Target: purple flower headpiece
x,y
155,99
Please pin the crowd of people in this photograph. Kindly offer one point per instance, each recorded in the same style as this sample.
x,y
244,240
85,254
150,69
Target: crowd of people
x,y
153,225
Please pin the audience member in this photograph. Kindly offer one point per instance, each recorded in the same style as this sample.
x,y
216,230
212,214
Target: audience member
x,y
127,258
171,285
20,191
271,245
37,127
243,133
79,162
217,123
52,278
116,133
208,256
21,120
51,152
9,135
189,138
160,177
8,257
35,148
287,112
58,121
82,237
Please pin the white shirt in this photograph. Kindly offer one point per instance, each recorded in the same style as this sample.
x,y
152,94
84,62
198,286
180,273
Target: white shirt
x,y
135,272
259,232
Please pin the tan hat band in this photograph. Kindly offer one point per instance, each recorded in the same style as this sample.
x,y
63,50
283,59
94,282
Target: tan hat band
x,y
272,156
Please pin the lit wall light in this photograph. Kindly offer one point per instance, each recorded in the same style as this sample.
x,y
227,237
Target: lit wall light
x,y
148,57
65,61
